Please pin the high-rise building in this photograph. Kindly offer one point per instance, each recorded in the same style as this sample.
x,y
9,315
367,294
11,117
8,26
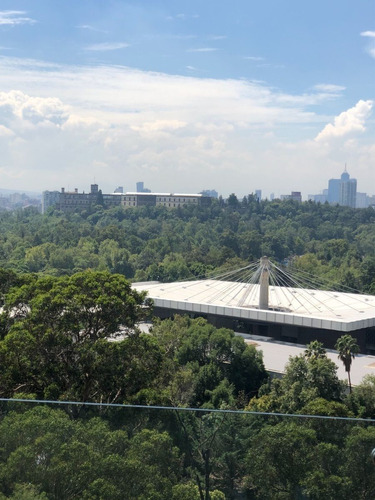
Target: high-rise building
x,y
342,191
362,200
141,188
348,190
50,199
294,195
333,191
318,198
258,194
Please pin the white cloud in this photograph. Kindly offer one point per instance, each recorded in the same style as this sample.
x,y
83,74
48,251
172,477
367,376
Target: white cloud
x,y
348,122
16,105
371,46
271,65
159,126
179,37
14,17
203,49
4,131
102,47
66,124
328,87
124,95
182,17
216,37
254,58
90,28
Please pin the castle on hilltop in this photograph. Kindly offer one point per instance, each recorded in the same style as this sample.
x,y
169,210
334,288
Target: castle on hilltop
x,y
69,201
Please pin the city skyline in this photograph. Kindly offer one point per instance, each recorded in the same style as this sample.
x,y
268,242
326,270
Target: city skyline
x,y
139,186
324,194
186,95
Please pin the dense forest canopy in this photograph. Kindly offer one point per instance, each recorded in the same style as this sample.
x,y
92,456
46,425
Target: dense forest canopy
x,y
156,243
68,332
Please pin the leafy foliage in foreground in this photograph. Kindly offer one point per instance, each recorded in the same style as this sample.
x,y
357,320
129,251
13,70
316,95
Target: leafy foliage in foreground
x,y
57,342
45,453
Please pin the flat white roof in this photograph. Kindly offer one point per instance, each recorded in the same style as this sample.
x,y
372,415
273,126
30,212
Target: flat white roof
x,y
276,355
130,193
293,306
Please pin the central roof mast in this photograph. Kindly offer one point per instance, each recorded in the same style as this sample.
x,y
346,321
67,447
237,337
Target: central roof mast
x,y
264,281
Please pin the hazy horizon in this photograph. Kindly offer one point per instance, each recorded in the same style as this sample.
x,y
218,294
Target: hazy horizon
x,y
186,96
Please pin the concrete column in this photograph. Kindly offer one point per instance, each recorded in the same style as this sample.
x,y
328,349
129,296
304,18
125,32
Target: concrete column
x,y
264,283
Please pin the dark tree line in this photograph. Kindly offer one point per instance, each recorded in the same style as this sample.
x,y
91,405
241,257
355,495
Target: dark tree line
x,y
163,244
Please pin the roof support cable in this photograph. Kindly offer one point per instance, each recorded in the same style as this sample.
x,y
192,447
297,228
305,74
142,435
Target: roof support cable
x,y
307,296
277,289
329,296
229,290
288,294
353,294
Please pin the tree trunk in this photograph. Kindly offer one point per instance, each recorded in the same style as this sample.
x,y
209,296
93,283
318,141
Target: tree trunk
x,y
206,455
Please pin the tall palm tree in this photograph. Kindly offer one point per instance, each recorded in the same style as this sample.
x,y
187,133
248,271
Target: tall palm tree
x,y
347,348
315,350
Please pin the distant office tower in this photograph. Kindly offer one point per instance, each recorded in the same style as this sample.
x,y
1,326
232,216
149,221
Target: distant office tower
x,y
258,194
348,190
141,188
362,200
119,189
318,198
333,191
296,196
50,199
343,191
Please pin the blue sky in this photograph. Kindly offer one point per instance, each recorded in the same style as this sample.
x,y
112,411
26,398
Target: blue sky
x,y
186,96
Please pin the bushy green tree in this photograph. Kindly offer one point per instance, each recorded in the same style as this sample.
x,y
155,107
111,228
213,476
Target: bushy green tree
x,y
67,459
279,460
220,365
358,465
362,399
57,341
307,377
